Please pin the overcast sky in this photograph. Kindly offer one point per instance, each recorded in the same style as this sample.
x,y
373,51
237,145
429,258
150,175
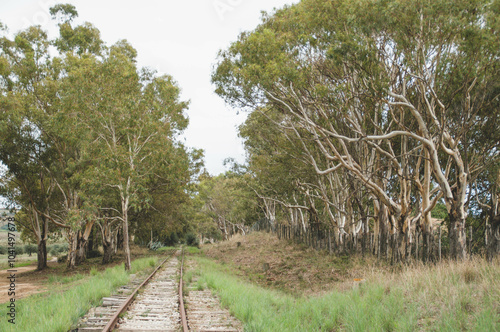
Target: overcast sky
x,y
179,38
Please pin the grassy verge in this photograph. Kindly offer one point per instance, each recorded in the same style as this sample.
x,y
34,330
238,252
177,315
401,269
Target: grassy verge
x,y
447,297
5,265
62,307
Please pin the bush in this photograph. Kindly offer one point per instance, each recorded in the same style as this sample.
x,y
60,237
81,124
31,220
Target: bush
x,y
19,250
3,250
172,240
57,249
63,247
30,248
192,240
62,259
53,251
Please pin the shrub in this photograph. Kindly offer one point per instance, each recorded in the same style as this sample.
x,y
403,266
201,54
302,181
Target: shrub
x,y
172,240
30,248
63,247
3,250
62,259
192,240
19,250
53,251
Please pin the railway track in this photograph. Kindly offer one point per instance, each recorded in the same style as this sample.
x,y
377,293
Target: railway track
x,y
157,304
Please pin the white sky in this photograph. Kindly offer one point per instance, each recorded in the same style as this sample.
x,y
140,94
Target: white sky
x,y
179,38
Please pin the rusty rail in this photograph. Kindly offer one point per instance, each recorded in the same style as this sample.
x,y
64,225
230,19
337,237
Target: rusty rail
x,y
112,323
181,299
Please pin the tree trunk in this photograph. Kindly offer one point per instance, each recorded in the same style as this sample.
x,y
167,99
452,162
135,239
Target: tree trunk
x,y
91,241
42,243
80,249
42,254
427,242
72,247
458,245
382,228
107,245
493,233
82,240
126,245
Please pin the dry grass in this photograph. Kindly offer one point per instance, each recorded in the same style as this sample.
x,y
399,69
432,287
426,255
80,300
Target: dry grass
x,y
458,294
448,296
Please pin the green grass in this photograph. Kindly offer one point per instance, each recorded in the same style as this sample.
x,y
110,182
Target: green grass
x,y
59,310
448,297
5,265
192,250
55,279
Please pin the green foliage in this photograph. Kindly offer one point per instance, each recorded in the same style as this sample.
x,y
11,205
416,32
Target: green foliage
x,y
30,248
172,239
344,95
192,240
60,112
439,211
54,250
225,198
66,12
19,250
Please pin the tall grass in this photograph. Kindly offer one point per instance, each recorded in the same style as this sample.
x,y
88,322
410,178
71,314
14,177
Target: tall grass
x,y
448,297
59,310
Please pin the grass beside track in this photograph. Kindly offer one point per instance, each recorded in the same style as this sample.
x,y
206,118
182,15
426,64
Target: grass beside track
x,y
61,307
447,297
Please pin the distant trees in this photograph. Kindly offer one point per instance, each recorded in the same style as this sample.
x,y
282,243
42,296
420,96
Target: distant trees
x,y
87,137
228,202
370,110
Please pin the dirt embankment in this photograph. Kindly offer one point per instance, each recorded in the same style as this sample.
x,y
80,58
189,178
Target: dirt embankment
x,y
264,259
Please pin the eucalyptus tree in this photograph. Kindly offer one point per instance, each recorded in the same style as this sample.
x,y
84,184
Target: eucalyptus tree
x,y
82,124
380,86
29,81
228,202
132,118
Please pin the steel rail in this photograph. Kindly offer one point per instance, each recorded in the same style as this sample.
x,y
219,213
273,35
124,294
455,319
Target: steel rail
x,y
114,319
181,299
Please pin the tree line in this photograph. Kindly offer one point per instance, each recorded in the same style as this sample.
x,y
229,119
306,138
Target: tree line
x,y
90,141
372,115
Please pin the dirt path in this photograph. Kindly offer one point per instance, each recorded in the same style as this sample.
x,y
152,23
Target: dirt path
x,y
26,283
